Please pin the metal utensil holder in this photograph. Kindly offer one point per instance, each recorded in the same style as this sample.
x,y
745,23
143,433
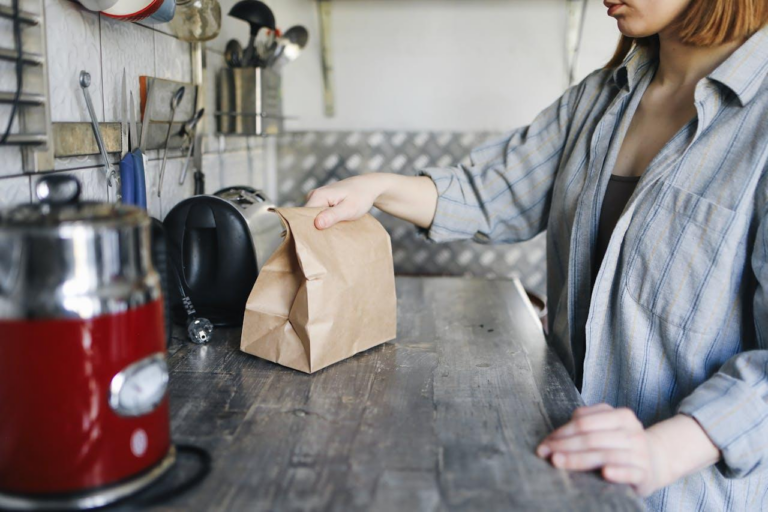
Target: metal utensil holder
x,y
249,102
32,127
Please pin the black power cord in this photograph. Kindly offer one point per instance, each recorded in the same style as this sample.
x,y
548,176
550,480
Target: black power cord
x,y
19,69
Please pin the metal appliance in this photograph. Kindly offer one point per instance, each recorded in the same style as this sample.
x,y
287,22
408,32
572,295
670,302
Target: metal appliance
x,y
83,374
217,244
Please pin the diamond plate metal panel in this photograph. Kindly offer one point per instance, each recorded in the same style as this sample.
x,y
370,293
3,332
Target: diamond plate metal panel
x,y
312,159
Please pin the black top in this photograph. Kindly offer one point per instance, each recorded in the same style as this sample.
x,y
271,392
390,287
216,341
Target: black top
x,y
617,194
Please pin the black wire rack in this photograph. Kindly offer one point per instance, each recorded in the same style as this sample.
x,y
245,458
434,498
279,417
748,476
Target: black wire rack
x,y
27,123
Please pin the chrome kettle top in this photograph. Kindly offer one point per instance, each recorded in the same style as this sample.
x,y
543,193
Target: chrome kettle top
x,y
59,204
65,259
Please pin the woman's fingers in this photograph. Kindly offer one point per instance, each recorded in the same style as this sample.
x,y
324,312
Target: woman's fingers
x,y
613,419
595,459
318,198
591,409
335,214
632,475
601,440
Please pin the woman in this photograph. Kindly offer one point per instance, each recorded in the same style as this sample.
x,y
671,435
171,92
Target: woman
x,y
650,179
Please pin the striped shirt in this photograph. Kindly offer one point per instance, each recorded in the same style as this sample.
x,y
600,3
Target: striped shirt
x,y
678,318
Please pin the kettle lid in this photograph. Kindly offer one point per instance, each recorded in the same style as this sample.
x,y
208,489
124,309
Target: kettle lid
x,y
59,203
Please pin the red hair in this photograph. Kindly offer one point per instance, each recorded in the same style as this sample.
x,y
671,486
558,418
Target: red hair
x,y
707,23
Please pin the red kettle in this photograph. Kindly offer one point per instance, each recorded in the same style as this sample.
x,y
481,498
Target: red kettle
x,y
83,374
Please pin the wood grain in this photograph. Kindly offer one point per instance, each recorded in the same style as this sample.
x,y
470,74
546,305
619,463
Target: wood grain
x,y
444,418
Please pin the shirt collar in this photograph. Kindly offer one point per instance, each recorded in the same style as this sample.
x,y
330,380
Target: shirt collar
x,y
630,71
745,70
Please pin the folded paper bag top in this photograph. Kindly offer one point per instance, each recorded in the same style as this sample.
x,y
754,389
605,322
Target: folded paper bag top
x,y
323,296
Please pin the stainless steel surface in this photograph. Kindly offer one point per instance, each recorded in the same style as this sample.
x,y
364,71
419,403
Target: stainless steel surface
x,y
190,130
147,114
183,175
250,101
78,139
311,160
158,107
289,47
133,129
265,226
124,378
64,259
92,499
124,115
175,100
85,82
444,418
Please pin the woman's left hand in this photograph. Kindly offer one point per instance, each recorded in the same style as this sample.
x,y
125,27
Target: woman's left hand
x,y
611,440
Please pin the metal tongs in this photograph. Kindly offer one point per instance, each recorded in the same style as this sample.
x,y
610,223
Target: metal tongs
x,y
85,82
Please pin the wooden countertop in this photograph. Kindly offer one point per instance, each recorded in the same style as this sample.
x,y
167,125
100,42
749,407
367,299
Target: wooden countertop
x,y
446,417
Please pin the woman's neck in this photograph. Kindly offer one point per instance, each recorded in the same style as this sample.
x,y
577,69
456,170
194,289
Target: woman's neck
x,y
682,65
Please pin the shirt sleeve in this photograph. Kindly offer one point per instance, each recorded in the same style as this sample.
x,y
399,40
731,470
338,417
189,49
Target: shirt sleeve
x,y
732,406
505,193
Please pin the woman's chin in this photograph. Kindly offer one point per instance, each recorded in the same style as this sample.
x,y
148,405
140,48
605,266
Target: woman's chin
x,y
629,29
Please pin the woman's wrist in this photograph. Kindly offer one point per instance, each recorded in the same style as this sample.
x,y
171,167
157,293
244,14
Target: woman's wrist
x,y
383,184
682,448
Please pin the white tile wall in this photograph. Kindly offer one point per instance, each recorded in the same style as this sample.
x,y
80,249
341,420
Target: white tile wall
x,y
14,190
78,39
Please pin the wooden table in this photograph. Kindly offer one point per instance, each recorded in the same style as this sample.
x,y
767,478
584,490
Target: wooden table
x,y
444,418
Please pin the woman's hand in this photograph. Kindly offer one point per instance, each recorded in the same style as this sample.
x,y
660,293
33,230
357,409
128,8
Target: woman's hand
x,y
411,198
349,199
611,440
615,442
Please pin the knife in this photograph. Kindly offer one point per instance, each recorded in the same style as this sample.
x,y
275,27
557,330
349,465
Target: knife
x,y
145,119
140,191
127,171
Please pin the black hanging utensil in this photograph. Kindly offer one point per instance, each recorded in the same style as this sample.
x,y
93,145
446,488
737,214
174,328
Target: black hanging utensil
x,y
258,15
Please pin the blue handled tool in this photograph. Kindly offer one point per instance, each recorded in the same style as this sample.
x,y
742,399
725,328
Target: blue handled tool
x,y
140,190
127,170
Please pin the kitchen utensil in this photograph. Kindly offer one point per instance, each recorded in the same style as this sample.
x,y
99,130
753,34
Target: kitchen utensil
x,y
146,116
138,159
233,53
124,116
133,10
85,82
127,167
83,391
190,129
265,46
196,20
165,13
175,100
289,47
258,15
97,5
221,242
199,182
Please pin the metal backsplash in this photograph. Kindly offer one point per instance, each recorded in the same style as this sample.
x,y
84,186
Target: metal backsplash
x,y
312,159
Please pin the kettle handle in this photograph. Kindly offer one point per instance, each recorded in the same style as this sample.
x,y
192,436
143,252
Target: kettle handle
x,y
58,189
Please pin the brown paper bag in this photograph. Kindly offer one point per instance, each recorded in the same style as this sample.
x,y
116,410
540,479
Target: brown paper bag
x,y
323,296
